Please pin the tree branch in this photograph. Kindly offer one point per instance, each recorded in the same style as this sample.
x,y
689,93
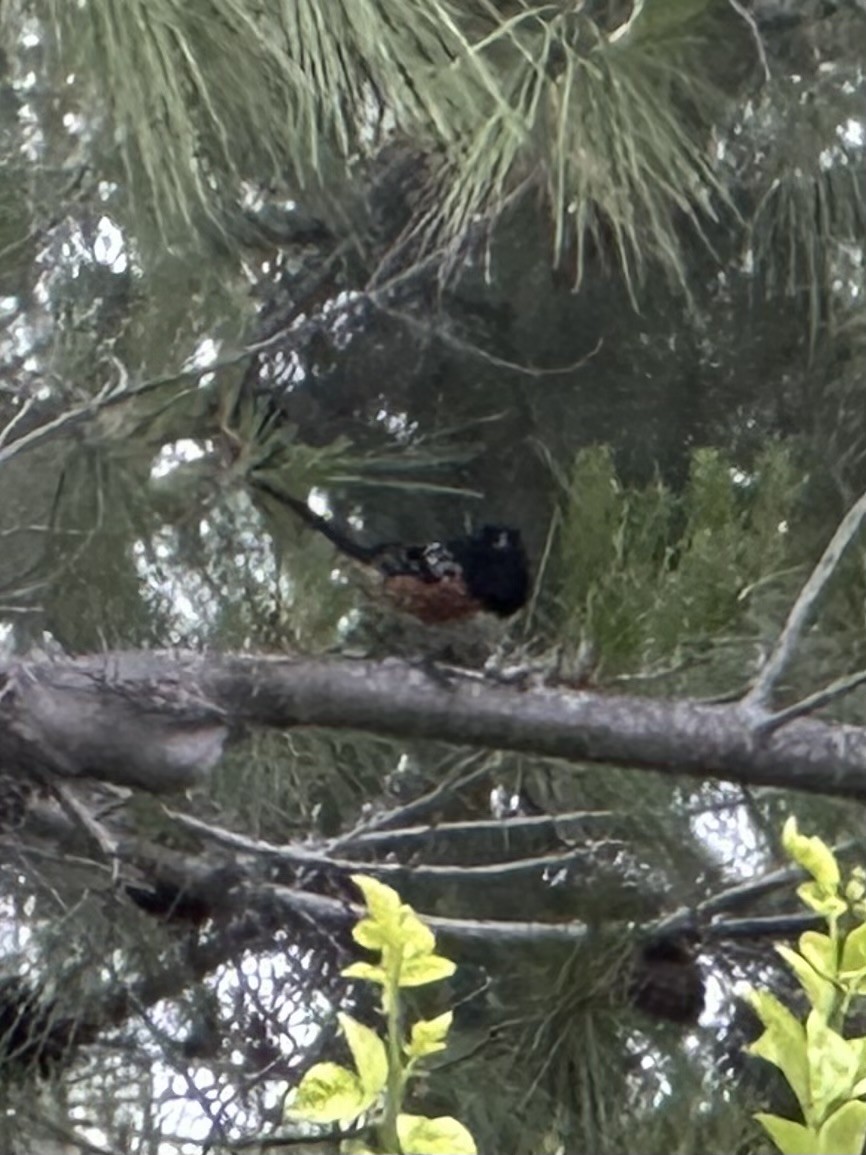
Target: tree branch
x,y
823,697
296,855
804,606
565,827
745,894
158,721
767,926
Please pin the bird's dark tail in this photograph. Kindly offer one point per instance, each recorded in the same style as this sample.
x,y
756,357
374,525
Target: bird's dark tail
x,y
338,537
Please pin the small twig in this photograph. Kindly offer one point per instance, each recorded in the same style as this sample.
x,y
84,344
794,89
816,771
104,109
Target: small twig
x,y
543,823
303,856
119,392
210,1108
70,1137
80,814
72,191
747,16
224,837
414,810
9,428
485,872
440,333
804,606
262,1142
678,667
552,528
811,702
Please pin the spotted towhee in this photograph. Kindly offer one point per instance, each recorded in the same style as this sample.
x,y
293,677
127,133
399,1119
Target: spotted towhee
x,y
440,581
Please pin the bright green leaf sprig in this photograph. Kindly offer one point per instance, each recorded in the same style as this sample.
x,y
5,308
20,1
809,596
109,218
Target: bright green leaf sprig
x,y
330,1093
826,1071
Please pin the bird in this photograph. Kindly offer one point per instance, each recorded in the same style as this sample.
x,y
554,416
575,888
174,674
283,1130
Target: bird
x,y
436,582
170,903
666,980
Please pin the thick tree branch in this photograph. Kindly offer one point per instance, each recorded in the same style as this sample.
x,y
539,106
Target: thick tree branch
x,y
158,721
770,926
331,911
744,895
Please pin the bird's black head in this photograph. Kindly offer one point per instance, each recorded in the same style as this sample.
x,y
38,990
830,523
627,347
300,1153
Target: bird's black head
x,y
495,568
500,537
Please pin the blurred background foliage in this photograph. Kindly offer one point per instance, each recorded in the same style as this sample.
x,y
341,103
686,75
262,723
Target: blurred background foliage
x,y
591,269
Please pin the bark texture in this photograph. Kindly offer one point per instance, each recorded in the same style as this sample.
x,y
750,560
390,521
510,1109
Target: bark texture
x,y
159,721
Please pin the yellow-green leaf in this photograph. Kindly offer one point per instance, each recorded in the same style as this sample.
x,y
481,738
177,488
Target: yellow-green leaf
x,y
392,926
813,854
855,891
824,901
417,938
362,970
373,935
820,950
369,1054
783,1043
820,991
853,965
791,1138
328,1093
383,902
429,968
858,1045
384,909
428,1035
419,1135
833,1064
844,1132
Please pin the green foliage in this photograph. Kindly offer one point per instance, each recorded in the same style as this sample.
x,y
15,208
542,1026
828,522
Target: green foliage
x,y
808,204
647,574
246,90
825,1070
331,1093
600,117
205,107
